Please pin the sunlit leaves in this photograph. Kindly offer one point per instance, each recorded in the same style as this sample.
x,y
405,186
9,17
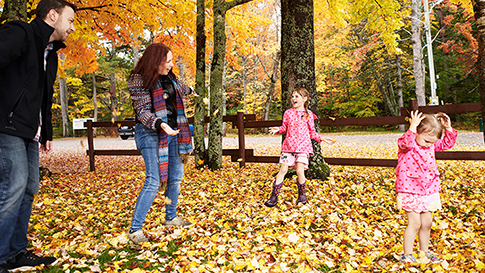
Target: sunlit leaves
x,y
382,17
349,225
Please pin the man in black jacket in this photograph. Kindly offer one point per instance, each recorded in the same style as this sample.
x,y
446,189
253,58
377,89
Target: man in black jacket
x,y
28,67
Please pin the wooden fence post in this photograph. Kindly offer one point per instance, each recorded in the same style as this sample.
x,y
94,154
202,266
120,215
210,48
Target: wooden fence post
x,y
413,106
90,145
242,144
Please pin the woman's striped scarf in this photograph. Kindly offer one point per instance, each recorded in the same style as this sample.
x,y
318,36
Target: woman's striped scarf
x,y
184,137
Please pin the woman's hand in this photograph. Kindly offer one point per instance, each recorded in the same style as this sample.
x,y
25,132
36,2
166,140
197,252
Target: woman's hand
x,y
169,129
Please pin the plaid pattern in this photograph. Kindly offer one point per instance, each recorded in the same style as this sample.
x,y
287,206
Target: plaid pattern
x,y
184,137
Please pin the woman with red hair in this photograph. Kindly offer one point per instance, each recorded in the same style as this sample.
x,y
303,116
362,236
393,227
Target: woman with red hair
x,y
162,134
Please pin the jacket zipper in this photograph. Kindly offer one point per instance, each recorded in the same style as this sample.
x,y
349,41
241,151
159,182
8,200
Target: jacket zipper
x,y
16,105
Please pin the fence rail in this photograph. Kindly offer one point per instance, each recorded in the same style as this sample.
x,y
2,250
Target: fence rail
x,y
243,155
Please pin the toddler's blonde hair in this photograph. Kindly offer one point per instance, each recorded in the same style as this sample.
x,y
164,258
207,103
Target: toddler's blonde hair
x,y
431,124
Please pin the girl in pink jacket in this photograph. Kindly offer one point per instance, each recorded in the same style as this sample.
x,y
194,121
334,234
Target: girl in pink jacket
x,y
298,125
417,177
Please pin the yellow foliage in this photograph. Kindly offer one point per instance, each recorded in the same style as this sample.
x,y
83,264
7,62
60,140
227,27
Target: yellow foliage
x,y
81,215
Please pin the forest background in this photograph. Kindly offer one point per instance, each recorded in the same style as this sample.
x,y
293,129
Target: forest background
x,y
363,56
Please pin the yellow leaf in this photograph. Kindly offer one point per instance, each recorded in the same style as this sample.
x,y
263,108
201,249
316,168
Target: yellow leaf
x,y
293,238
238,265
479,265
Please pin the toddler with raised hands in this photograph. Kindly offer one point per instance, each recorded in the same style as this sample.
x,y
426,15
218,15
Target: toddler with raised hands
x,y
417,177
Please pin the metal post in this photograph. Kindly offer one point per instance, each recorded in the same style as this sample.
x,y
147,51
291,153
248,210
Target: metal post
x,y
429,42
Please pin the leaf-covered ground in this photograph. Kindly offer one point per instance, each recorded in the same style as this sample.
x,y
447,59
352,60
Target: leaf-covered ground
x,y
349,225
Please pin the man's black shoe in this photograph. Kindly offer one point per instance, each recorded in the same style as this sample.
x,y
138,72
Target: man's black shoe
x,y
27,261
3,268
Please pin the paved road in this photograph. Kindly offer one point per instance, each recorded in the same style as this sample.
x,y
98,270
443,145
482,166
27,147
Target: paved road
x,y
473,139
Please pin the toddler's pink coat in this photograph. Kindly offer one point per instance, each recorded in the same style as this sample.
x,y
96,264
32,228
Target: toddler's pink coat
x,y
299,129
416,170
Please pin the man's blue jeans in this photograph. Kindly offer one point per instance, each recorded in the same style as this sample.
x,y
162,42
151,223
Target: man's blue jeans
x,y
147,142
19,182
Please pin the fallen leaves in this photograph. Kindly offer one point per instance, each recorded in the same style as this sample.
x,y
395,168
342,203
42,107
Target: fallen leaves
x,y
349,225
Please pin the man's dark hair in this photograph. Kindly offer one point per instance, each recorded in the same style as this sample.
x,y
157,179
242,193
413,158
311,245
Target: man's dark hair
x,y
45,6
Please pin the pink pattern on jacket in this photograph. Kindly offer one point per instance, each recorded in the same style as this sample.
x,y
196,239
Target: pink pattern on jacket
x,y
299,130
416,170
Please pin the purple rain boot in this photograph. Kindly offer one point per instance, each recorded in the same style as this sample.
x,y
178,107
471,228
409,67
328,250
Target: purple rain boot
x,y
273,199
301,193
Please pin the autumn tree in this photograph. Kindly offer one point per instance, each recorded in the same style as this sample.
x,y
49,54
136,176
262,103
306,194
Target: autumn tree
x,y
479,9
214,151
298,67
200,107
15,10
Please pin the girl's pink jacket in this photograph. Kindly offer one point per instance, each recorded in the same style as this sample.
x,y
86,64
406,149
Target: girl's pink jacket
x,y
299,129
416,170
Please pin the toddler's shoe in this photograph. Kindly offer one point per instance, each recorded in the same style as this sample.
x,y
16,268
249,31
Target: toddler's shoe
x,y
408,259
432,258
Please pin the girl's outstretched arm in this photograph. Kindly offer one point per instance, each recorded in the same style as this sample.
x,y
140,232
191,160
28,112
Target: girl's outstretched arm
x,y
274,130
328,140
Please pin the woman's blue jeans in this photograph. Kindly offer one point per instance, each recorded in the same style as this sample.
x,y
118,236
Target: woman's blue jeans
x,y
19,182
147,142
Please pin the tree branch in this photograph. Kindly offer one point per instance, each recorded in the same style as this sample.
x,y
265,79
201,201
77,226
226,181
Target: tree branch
x,y
95,8
233,3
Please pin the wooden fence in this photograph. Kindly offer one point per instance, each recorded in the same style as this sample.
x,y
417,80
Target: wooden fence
x,y
243,155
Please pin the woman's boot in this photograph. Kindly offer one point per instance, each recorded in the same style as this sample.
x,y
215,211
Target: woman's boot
x,y
273,199
301,193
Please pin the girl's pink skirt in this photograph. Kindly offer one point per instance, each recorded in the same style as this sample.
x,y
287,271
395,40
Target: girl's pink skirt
x,y
418,203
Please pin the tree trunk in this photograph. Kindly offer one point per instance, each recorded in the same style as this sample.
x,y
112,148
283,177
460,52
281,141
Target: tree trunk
x,y
273,78
217,66
387,94
64,106
180,64
479,10
14,10
214,151
244,82
200,108
114,101
400,102
224,98
418,66
95,103
298,68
